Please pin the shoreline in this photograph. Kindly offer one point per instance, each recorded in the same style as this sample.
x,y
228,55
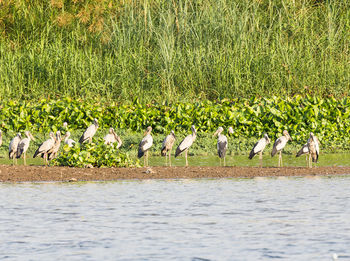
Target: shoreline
x,y
14,174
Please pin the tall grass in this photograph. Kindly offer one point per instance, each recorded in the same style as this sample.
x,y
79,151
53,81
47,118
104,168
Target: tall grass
x,y
173,50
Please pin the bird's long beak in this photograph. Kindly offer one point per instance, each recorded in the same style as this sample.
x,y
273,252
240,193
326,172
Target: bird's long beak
x,y
31,136
215,133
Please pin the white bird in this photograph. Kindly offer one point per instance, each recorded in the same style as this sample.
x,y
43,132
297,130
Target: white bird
x,y
89,132
68,141
145,144
230,130
314,149
167,146
13,147
52,153
304,151
112,137
278,146
221,144
259,147
186,143
45,147
23,146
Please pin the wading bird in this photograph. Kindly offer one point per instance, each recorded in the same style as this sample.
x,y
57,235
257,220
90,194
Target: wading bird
x,y
89,132
145,144
112,137
23,146
314,149
45,147
221,144
52,153
278,146
186,143
67,140
167,145
259,148
13,147
302,151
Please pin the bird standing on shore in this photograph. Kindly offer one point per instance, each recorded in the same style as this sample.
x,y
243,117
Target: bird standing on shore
x,y
68,141
23,146
314,149
112,137
89,132
52,153
304,151
13,147
259,148
278,146
167,145
145,144
221,144
186,143
45,147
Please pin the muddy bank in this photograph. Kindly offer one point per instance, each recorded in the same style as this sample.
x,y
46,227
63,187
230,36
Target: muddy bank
x,y
41,173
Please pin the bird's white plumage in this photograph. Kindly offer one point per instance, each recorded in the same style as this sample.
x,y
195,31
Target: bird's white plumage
x,y
281,143
14,145
89,132
68,141
146,142
260,146
222,139
46,145
109,138
187,142
305,149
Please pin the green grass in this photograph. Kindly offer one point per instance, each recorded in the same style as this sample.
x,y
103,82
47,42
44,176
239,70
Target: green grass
x,y
181,50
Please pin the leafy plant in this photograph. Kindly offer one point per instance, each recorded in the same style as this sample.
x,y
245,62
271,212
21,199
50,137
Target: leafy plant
x,y
94,155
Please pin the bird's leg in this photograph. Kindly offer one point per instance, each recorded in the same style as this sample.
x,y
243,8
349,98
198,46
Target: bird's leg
x,y
280,159
220,161
224,161
170,158
144,160
147,158
186,158
260,158
307,160
166,158
24,158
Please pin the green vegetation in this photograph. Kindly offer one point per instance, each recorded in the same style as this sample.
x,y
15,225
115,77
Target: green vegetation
x,y
94,155
181,50
328,118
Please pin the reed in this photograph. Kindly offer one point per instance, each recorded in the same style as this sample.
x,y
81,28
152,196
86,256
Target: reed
x,y
180,50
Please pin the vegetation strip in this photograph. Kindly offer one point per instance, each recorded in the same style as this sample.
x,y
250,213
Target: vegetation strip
x,y
173,50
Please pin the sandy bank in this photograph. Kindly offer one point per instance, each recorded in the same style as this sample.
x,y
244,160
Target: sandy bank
x,y
41,173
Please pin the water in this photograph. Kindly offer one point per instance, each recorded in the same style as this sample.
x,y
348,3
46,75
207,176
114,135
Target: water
x,y
208,219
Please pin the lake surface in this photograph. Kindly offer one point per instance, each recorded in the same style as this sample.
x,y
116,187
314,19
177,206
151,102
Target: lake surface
x,y
207,219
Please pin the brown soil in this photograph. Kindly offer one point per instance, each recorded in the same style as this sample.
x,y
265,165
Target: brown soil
x,y
41,173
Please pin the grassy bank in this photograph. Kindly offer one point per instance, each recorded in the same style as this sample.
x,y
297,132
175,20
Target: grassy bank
x,y
173,50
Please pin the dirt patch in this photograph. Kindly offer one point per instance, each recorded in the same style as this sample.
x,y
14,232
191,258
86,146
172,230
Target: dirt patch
x,y
41,173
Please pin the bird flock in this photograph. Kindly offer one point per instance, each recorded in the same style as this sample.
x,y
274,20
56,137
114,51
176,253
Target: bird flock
x,y
49,149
